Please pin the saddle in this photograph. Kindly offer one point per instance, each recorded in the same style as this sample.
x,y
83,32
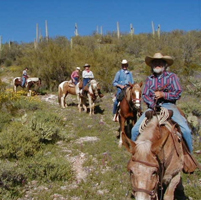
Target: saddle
x,y
190,164
121,95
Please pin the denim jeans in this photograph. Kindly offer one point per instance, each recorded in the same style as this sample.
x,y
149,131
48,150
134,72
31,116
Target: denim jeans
x,y
177,117
116,102
23,81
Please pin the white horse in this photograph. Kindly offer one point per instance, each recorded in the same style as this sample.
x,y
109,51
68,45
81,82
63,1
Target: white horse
x,y
91,96
30,82
65,88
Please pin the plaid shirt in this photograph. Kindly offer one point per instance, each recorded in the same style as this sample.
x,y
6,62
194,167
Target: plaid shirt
x,y
170,85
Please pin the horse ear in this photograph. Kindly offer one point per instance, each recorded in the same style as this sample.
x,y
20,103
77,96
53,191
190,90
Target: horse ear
x,y
141,84
157,146
129,144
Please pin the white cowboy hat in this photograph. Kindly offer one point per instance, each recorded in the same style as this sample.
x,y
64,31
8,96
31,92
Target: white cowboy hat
x,y
158,56
78,68
124,62
86,65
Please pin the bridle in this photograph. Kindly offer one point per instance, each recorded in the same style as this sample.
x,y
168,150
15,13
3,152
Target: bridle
x,y
153,192
134,101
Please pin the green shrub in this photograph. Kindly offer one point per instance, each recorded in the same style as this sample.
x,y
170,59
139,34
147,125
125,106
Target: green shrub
x,y
12,179
18,142
46,167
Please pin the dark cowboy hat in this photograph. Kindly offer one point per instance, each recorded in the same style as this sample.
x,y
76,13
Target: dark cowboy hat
x,y
158,56
86,65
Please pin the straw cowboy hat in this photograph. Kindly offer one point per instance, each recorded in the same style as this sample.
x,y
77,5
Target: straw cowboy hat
x,y
124,62
86,65
78,68
159,56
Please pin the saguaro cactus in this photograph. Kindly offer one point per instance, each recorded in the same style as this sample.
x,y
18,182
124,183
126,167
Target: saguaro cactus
x,y
118,30
153,29
0,43
46,31
76,30
131,30
159,31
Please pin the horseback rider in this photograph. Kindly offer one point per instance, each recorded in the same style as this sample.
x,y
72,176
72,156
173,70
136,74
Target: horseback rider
x,y
122,79
24,77
163,89
75,75
88,75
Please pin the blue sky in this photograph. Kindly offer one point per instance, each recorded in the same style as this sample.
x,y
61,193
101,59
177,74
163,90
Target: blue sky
x,y
18,18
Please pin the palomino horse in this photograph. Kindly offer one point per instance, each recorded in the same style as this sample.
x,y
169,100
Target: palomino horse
x,y
30,82
91,96
157,157
65,88
129,107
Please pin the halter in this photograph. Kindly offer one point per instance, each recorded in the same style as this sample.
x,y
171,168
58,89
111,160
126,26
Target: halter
x,y
153,192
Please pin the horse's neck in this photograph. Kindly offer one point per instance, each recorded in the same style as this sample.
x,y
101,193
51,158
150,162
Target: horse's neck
x,y
128,94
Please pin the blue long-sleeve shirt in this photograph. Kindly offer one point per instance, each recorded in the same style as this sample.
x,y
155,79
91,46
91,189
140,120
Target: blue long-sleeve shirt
x,y
170,84
123,77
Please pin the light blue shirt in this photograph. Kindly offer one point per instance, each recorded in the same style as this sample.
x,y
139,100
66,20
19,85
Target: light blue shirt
x,y
123,77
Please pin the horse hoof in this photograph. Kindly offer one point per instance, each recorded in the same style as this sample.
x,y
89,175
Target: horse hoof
x,y
118,136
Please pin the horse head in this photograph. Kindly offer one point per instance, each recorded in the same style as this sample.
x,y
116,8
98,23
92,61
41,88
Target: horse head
x,y
153,153
93,89
143,168
136,94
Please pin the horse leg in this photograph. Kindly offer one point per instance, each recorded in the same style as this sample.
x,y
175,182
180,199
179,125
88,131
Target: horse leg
x,y
122,129
64,100
128,128
92,109
29,93
169,193
80,104
90,104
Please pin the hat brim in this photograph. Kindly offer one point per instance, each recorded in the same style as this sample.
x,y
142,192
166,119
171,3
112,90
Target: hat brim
x,y
167,59
86,66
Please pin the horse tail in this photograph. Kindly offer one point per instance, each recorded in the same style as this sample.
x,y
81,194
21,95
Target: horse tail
x,y
59,94
14,86
39,81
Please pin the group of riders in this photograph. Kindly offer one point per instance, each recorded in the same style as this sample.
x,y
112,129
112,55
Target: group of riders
x,y
87,75
162,89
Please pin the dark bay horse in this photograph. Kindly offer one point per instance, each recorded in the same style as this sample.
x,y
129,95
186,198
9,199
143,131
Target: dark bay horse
x,y
30,82
129,107
157,158
65,88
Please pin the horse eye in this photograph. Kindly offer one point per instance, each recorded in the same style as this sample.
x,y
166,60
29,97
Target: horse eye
x,y
154,173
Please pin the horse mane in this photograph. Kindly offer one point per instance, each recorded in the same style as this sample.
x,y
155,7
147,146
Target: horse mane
x,y
149,131
142,149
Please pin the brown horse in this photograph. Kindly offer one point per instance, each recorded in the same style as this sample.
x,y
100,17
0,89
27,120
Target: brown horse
x,y
157,157
30,82
65,88
129,107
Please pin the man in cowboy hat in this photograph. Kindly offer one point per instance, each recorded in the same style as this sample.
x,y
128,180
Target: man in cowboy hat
x,y
122,79
163,89
88,75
